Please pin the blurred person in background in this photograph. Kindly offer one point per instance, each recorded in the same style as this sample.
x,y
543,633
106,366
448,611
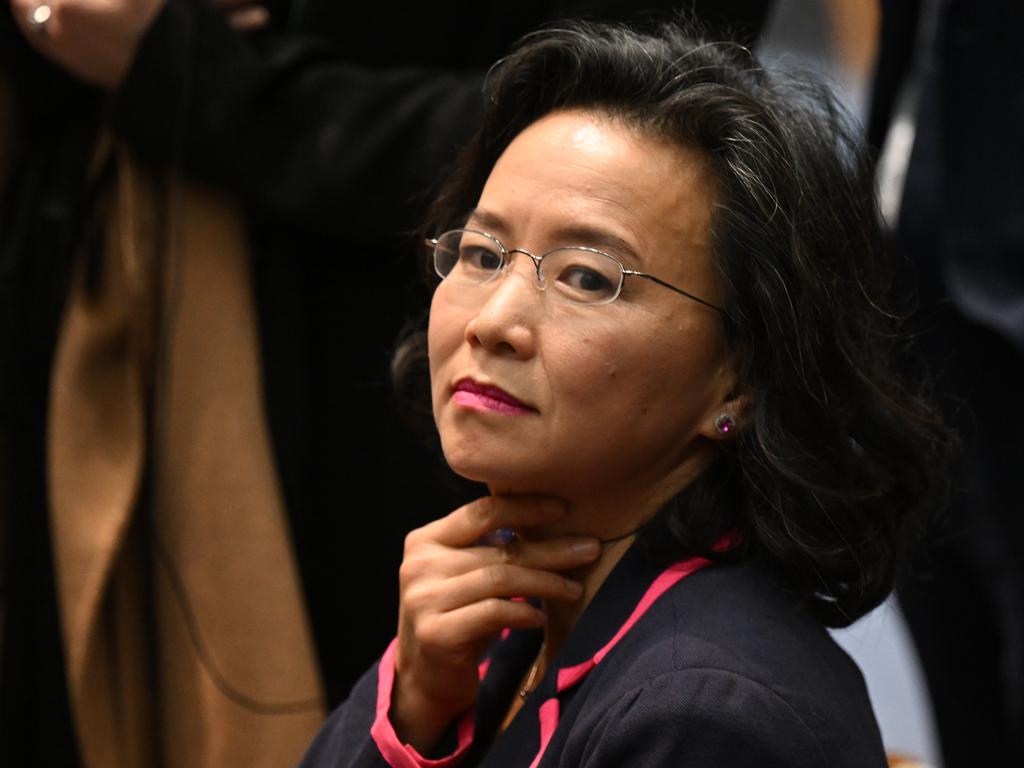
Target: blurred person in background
x,y
947,113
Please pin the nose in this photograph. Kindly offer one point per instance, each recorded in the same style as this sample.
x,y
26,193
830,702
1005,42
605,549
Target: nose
x,y
506,322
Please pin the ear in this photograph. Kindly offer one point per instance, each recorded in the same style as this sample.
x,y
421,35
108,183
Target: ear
x,y
728,417
726,421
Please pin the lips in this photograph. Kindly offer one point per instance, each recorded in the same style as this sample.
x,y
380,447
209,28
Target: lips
x,y
486,397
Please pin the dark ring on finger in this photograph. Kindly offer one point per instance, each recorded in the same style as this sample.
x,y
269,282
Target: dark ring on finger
x,y
499,537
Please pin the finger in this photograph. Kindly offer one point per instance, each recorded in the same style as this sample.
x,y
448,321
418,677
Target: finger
x,y
466,525
249,19
440,562
501,581
557,554
481,620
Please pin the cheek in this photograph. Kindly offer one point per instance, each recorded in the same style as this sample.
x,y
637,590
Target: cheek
x,y
600,370
445,330
637,379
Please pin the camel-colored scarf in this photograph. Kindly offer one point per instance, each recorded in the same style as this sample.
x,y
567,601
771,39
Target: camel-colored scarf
x,y
185,633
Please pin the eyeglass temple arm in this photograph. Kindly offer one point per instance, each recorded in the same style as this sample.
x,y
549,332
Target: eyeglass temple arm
x,y
671,287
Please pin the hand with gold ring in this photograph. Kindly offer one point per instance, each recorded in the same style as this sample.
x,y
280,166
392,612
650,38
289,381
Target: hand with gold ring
x,y
93,40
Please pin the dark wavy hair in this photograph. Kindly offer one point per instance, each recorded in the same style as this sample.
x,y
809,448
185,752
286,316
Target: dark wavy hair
x,y
837,460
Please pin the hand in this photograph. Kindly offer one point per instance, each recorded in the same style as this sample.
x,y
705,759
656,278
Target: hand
x,y
94,40
455,598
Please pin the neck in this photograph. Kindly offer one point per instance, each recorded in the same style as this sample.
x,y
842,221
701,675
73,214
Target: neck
x,y
563,616
615,523
612,514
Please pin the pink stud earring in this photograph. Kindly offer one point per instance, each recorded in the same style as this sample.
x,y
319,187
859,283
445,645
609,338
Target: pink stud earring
x,y
725,423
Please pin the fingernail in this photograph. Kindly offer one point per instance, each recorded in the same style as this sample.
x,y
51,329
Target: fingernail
x,y
586,547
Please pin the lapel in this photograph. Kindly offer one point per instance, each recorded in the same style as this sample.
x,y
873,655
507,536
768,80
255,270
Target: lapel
x,y
622,600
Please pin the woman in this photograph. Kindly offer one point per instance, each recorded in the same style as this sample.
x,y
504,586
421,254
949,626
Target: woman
x,y
660,342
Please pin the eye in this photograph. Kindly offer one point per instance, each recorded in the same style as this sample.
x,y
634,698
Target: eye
x,y
479,258
586,280
467,256
583,276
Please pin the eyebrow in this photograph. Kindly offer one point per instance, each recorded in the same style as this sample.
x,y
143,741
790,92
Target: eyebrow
x,y
571,234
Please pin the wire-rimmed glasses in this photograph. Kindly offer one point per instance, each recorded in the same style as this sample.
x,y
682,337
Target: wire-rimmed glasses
x,y
576,273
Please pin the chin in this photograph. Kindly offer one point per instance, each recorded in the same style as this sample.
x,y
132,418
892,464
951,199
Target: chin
x,y
463,460
471,467
468,472
468,455
497,473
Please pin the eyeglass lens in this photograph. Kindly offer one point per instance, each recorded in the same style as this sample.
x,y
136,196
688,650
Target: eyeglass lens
x,y
577,274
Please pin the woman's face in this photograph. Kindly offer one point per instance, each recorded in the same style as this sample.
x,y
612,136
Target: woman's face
x,y
614,398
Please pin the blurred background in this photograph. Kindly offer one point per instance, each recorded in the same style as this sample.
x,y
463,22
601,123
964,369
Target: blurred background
x,y
838,39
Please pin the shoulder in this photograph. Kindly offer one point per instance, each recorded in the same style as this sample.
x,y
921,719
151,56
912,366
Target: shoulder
x,y
727,662
698,717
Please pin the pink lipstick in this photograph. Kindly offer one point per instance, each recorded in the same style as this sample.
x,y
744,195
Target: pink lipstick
x,y
483,397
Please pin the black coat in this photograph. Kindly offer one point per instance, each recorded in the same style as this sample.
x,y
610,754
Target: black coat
x,y
725,668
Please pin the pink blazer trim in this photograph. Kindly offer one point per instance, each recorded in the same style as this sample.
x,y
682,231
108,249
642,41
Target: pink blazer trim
x,y
397,754
570,676
548,722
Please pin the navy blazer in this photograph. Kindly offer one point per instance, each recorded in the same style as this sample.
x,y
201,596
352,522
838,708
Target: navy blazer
x,y
725,668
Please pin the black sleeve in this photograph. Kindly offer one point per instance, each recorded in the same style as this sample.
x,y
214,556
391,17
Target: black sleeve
x,y
286,126
344,740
